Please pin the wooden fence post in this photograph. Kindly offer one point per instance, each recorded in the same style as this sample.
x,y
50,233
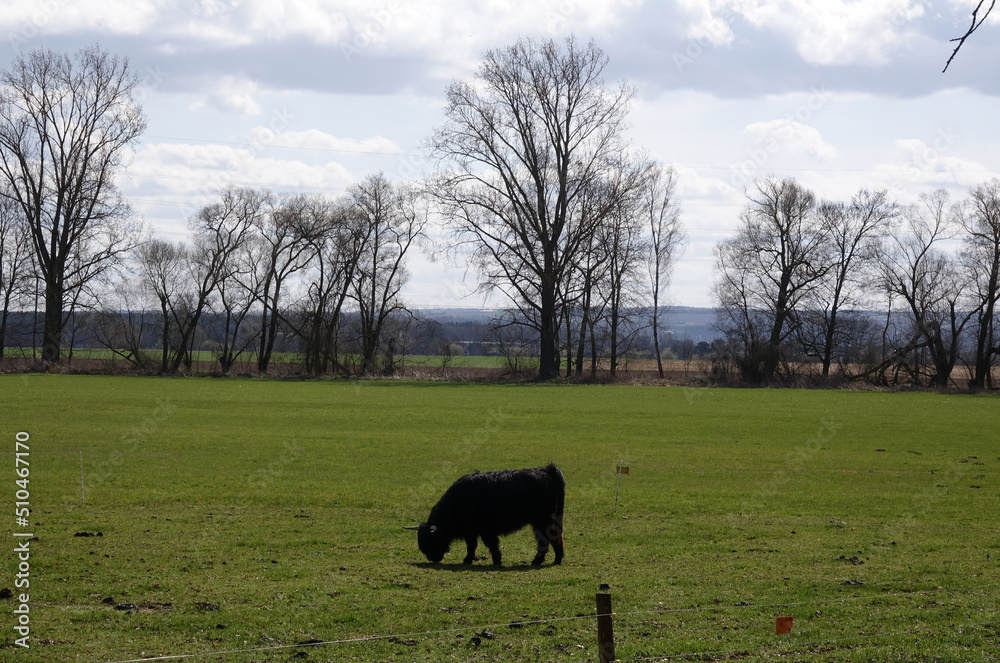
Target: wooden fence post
x,y
605,629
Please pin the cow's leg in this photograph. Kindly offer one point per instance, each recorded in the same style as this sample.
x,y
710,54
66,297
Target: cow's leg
x,y
492,542
557,544
543,546
554,535
470,549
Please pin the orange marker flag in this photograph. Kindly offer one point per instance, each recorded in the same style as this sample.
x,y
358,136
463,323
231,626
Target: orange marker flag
x,y
783,625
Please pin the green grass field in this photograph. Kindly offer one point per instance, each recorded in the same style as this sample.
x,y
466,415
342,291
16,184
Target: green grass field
x,y
249,515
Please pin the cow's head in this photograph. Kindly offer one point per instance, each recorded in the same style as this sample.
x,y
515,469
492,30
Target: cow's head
x,y
432,542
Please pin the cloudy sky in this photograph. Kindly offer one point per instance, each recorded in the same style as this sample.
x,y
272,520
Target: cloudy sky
x,y
312,95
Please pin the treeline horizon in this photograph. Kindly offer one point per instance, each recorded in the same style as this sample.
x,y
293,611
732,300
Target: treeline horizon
x,y
538,189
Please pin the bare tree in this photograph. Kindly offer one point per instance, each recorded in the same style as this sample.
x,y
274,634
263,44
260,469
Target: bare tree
x,y
626,244
160,265
121,319
522,143
776,257
221,231
853,231
662,212
286,235
15,263
65,127
338,238
980,217
589,268
237,293
930,284
394,223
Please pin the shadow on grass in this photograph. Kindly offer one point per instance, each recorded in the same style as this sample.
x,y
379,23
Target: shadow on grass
x,y
480,568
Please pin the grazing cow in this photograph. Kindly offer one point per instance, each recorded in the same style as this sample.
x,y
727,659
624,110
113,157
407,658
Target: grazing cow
x,y
489,505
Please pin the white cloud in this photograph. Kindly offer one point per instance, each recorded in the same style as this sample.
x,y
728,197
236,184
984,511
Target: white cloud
x,y
318,140
916,165
169,182
836,32
444,31
232,95
710,22
790,136
27,20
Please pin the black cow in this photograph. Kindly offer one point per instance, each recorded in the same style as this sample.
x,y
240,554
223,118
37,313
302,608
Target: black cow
x,y
489,505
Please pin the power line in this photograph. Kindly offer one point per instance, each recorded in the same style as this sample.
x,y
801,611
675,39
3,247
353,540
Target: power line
x,y
260,144
737,167
231,181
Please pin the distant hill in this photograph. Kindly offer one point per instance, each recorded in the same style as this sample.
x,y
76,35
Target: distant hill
x,y
681,321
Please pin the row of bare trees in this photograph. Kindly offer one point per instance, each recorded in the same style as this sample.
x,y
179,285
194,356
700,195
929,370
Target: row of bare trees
x,y
260,267
536,181
800,279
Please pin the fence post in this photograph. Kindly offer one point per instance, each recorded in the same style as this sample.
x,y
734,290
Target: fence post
x,y
605,629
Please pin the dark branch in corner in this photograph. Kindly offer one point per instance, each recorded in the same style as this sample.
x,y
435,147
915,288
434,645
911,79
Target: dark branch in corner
x,y
976,22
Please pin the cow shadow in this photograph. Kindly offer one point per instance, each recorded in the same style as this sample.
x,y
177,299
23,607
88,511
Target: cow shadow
x,y
480,568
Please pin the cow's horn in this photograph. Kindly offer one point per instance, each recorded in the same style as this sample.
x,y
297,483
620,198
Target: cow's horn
x,y
410,527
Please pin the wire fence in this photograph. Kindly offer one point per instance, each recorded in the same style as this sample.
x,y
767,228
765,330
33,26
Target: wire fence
x,y
777,647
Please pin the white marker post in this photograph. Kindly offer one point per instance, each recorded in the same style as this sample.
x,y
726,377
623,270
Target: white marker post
x,y
622,469
81,477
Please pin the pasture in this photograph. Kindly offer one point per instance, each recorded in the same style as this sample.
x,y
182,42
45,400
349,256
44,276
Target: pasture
x,y
254,516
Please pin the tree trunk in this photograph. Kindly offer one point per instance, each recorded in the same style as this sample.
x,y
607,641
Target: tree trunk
x,y
165,352
828,339
656,337
547,367
984,340
614,340
53,325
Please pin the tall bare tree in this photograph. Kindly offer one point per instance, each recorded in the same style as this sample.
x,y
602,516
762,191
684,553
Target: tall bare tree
x,y
237,293
66,124
221,232
286,248
853,230
927,279
623,238
15,263
521,144
659,206
394,222
160,264
777,255
338,239
980,217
